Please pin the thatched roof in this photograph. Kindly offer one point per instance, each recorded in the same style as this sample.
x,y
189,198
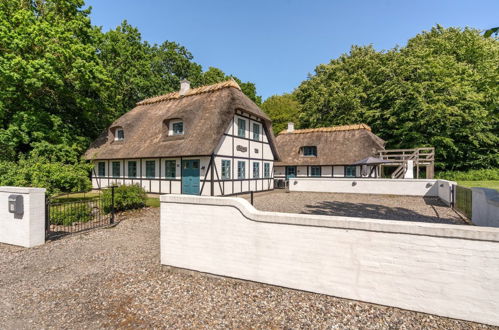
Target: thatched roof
x,y
338,145
206,112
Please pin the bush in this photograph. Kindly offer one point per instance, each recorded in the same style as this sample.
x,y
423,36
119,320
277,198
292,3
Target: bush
x,y
471,175
66,216
126,197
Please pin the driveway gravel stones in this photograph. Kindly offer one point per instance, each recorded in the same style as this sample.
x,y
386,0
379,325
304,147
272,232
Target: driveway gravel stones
x,y
112,278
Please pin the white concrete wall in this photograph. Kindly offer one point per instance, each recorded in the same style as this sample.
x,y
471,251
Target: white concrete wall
x,y
414,187
448,270
26,229
444,190
485,209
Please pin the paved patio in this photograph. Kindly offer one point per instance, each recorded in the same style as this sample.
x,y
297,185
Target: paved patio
x,y
387,207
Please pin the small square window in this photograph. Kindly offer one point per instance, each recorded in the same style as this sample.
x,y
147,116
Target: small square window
x,y
310,151
315,171
177,128
120,134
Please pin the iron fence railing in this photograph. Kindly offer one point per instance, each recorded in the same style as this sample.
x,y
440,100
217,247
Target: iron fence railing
x,y
72,213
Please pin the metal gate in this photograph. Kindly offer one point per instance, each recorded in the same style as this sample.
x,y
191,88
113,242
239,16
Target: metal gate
x,y
463,200
73,213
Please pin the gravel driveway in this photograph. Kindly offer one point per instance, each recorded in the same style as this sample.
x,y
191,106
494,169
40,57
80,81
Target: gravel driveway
x,y
388,207
112,278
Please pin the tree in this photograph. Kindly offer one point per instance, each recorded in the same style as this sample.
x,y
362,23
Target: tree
x,y
282,109
440,90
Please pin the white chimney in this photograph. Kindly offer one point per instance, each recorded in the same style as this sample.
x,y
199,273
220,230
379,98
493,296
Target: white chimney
x,y
185,85
291,127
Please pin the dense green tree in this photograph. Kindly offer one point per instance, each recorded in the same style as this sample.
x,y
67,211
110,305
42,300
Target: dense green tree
x,y
282,109
440,90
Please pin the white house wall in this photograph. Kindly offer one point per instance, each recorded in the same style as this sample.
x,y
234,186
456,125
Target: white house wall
x,y
336,171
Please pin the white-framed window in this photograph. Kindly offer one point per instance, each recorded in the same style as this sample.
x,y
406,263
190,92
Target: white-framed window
x,y
256,132
101,171
256,170
176,127
225,169
119,134
241,127
266,170
241,169
132,169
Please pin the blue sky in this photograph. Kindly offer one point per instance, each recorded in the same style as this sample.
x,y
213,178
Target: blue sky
x,y
276,44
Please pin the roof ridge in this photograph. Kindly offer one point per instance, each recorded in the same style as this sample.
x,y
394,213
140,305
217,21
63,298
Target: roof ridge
x,y
194,91
352,127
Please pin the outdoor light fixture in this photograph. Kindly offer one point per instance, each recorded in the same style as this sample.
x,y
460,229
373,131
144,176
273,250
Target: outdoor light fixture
x,y
354,183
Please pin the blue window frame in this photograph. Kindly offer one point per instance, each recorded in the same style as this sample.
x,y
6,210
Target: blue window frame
x,y
132,169
256,132
241,169
116,166
310,151
150,168
266,170
102,169
178,128
225,169
256,170
241,127
315,171
170,169
350,171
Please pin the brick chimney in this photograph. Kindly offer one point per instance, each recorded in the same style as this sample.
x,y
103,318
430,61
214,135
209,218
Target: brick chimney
x,y
185,85
291,127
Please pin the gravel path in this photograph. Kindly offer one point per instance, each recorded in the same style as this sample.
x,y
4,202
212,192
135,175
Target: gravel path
x,y
390,207
112,278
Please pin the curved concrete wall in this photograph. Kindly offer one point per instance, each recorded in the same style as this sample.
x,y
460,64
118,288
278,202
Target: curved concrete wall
x,y
449,270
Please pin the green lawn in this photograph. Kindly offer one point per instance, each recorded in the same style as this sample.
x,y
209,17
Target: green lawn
x,y
483,184
152,201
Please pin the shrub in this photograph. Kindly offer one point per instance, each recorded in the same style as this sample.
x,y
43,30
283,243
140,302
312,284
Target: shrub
x,y
471,175
126,197
66,215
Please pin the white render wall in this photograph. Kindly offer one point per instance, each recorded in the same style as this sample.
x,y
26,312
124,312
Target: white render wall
x,y
448,270
27,229
408,187
485,209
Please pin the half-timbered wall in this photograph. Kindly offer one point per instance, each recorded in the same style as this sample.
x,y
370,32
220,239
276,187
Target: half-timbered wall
x,y
327,171
232,147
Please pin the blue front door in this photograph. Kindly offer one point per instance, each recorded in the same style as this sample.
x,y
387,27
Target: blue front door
x,y
190,177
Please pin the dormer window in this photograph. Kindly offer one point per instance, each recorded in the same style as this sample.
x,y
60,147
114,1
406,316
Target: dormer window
x,y
309,151
176,127
119,134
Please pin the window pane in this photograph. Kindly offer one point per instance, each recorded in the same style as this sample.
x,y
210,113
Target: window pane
x,y
120,134
315,171
102,169
170,169
256,131
310,151
178,128
116,169
241,170
225,169
150,168
266,170
350,171
132,169
256,170
241,127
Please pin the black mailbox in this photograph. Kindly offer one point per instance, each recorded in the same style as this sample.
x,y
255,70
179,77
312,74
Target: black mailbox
x,y
16,204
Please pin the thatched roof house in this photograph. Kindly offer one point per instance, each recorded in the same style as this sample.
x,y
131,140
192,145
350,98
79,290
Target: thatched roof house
x,y
317,150
206,112
211,140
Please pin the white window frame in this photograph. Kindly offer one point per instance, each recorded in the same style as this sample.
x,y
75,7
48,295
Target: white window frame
x,y
117,134
170,127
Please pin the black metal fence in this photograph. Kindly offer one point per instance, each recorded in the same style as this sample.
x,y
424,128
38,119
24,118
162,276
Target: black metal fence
x,y
463,200
72,213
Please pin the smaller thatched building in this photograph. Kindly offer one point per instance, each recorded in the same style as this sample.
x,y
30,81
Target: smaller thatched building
x,y
326,151
211,140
